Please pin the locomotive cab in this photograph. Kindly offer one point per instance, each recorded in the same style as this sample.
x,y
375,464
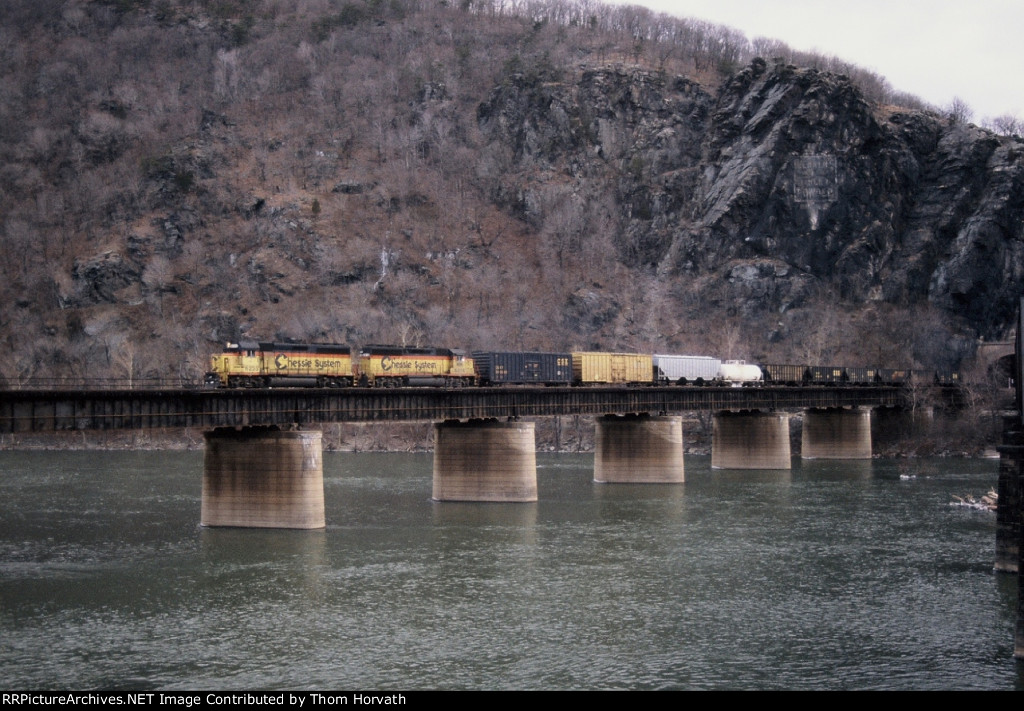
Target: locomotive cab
x,y
237,361
462,365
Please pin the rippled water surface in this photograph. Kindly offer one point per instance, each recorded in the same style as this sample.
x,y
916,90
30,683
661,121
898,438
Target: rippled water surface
x,y
829,576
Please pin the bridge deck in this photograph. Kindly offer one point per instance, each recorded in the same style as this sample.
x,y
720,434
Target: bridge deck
x,y
55,411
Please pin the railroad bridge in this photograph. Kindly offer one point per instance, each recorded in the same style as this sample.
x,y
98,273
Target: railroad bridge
x,y
263,461
35,410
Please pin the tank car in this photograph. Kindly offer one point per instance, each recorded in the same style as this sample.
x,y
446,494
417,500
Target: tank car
x,y
740,373
250,364
523,368
399,366
593,368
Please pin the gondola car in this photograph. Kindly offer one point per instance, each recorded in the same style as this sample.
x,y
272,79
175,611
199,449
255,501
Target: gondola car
x,y
250,364
523,368
399,366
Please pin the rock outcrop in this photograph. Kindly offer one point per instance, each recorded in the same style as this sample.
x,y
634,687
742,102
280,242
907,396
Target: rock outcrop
x,y
786,180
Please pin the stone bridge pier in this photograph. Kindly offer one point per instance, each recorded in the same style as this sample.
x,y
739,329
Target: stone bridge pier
x,y
1010,509
836,433
750,440
1009,516
266,477
640,449
488,460
761,440
485,460
263,477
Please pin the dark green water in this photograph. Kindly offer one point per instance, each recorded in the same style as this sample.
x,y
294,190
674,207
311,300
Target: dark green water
x,y
830,576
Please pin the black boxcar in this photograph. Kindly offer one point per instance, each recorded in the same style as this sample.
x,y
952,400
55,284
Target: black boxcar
x,y
509,368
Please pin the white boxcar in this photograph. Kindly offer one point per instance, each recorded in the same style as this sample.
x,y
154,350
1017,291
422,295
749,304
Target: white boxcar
x,y
683,369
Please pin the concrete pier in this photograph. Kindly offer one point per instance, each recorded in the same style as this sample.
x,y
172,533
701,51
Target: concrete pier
x,y
1008,488
485,460
1009,531
638,450
836,433
750,440
260,477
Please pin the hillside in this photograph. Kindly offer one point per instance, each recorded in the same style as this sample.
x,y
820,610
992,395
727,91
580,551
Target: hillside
x,y
179,174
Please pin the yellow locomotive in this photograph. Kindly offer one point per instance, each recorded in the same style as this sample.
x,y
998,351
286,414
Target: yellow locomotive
x,y
398,366
248,364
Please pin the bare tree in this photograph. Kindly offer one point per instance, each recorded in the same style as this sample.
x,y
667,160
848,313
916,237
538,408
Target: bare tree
x,y
125,356
1006,125
959,111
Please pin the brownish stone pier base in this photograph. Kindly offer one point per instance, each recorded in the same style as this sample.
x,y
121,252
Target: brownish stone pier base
x,y
485,460
751,440
836,434
638,450
263,478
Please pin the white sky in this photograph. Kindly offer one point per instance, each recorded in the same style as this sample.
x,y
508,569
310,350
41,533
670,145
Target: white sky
x,y
934,49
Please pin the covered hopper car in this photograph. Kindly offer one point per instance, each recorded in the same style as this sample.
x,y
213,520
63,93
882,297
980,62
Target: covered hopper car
x,y
686,370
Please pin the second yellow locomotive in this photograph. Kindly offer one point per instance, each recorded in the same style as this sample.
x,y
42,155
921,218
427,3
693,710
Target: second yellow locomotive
x,y
399,366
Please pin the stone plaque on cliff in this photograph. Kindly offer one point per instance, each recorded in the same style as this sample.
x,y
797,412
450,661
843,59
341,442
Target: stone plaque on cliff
x,y
815,184
814,180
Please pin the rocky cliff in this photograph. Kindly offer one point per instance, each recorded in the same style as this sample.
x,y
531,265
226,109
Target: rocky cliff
x,y
784,180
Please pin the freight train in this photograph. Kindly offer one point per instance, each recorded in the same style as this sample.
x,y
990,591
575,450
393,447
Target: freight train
x,y
252,364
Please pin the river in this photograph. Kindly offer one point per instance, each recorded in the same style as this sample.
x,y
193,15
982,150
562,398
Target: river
x,y
856,575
